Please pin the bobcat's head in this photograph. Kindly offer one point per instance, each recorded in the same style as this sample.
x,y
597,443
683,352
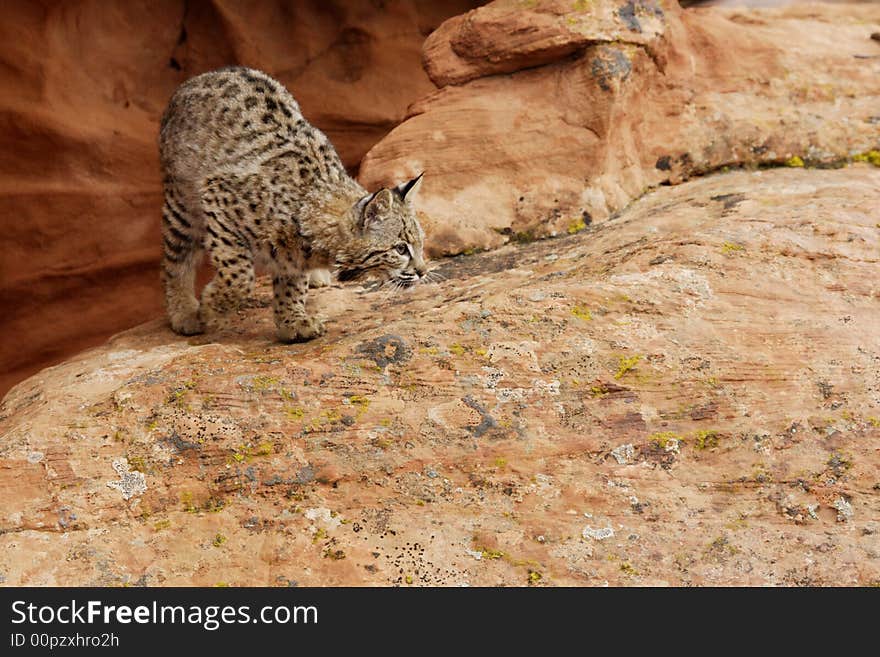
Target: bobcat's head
x,y
388,239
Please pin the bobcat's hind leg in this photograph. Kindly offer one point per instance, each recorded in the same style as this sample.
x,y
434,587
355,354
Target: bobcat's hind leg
x,y
231,257
181,255
232,285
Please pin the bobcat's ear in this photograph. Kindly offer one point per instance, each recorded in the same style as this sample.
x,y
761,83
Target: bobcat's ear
x,y
408,190
377,207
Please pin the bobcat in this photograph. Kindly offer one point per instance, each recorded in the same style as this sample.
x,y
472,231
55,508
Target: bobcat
x,y
250,181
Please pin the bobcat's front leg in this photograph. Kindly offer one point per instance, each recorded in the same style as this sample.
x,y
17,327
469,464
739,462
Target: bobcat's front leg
x,y
291,287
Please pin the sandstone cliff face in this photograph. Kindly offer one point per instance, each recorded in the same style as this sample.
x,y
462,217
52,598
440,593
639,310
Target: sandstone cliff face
x,y
552,114
84,84
687,393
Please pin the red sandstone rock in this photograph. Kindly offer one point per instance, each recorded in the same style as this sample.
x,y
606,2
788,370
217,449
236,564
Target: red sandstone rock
x,y
685,394
584,106
83,87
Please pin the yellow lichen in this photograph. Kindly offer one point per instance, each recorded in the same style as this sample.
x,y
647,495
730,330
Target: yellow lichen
x,y
186,499
159,525
296,413
534,577
219,540
500,462
522,237
598,391
875,422
582,313
729,248
362,403
794,161
261,383
760,474
456,349
627,568
663,439
720,546
489,553
838,461
705,439
872,157
625,365
137,463
576,226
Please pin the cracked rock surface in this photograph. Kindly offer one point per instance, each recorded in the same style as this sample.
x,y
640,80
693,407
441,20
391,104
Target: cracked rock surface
x,y
687,394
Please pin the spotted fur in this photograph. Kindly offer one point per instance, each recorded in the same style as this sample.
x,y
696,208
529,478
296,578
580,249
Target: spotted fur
x,y
249,181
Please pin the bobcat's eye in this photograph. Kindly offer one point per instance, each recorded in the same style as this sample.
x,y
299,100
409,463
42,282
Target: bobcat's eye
x,y
402,249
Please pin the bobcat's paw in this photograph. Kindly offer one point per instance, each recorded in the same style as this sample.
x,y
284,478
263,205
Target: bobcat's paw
x,y
300,329
189,324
